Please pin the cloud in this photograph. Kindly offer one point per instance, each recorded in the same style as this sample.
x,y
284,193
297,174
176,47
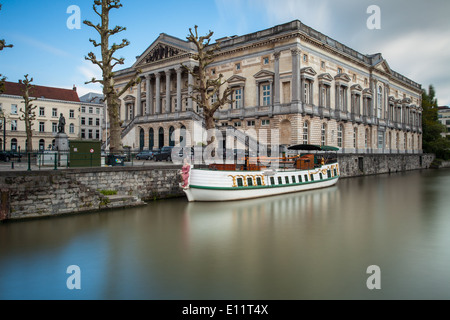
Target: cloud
x,y
41,45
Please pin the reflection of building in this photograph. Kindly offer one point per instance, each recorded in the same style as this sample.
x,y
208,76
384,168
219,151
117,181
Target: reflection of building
x,y
310,87
444,118
92,116
51,102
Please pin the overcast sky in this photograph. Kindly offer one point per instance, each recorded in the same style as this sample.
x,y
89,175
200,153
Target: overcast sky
x,y
414,37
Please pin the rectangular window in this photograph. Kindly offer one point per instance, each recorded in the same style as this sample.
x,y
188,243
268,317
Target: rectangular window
x,y
280,181
299,178
90,136
251,123
237,124
312,177
249,182
272,181
13,125
266,60
286,179
265,122
41,126
293,179
266,95
14,109
306,88
83,121
71,114
91,121
97,134
238,66
54,127
91,110
83,133
83,109
306,178
97,110
41,111
97,122
71,128
238,98
54,112
380,139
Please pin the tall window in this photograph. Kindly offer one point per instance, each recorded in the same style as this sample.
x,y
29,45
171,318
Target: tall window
x,y
366,139
71,128
323,135
266,94
305,132
14,144
14,109
83,121
41,111
71,114
379,101
54,127
13,125
54,112
306,88
380,139
41,126
355,137
238,98
83,133
340,135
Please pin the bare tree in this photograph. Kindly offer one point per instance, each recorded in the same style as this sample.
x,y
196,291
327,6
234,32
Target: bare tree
x,y
28,115
204,88
107,64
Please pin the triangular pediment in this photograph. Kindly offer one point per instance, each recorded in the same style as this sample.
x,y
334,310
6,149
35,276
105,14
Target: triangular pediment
x,y
343,77
129,98
164,47
308,70
356,87
235,78
264,74
383,66
326,77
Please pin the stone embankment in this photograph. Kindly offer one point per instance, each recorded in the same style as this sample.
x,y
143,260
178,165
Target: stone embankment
x,y
26,194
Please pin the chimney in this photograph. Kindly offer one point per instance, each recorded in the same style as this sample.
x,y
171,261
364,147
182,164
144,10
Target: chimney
x,y
74,88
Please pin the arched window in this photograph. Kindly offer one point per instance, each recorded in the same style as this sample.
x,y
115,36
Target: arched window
x,y
151,139
71,128
171,137
161,138
141,139
13,144
41,145
183,136
305,132
323,134
340,135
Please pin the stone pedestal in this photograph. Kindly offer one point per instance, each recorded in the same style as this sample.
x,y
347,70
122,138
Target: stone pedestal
x,y
62,146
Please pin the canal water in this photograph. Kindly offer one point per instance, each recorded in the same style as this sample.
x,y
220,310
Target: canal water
x,y
313,245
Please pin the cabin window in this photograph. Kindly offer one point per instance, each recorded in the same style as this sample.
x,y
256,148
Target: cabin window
x,y
320,176
239,182
329,173
286,179
293,179
272,181
250,182
299,178
312,177
335,172
280,181
258,181
306,178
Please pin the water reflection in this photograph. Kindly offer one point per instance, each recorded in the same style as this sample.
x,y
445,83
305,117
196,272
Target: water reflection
x,y
310,245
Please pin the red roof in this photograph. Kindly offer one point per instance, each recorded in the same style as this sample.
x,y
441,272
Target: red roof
x,y
16,89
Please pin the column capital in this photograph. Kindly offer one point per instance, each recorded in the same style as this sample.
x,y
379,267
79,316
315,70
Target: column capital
x,y
277,54
148,76
168,71
179,69
295,51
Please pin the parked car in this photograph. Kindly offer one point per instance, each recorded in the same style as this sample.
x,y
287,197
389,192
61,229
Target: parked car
x,y
8,155
164,154
145,155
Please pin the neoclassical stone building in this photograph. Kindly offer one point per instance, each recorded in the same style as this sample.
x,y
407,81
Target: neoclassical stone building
x,y
292,78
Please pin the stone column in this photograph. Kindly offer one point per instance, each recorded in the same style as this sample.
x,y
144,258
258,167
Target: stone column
x,y
276,87
295,75
158,93
190,90
258,98
138,100
148,95
179,70
167,72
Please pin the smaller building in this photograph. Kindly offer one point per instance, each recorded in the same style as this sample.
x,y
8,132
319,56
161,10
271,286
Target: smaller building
x,y
50,104
92,117
444,118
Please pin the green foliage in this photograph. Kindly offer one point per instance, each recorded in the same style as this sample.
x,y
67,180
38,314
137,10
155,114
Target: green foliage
x,y
433,141
108,192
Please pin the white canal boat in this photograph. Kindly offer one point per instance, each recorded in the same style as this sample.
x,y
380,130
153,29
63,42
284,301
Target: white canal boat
x,y
224,182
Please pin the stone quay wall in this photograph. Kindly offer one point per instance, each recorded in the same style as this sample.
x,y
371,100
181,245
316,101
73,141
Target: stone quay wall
x,y
27,194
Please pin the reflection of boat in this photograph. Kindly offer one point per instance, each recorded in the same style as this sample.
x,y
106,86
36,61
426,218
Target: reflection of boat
x,y
254,178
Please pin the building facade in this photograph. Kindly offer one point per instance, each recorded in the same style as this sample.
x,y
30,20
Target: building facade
x,y
289,78
50,104
444,118
92,117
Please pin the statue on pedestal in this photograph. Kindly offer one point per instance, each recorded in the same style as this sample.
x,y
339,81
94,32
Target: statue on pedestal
x,y
61,124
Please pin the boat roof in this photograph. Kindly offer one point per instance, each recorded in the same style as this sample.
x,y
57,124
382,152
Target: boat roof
x,y
312,147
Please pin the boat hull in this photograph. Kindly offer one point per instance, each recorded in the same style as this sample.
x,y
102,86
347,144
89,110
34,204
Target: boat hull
x,y
213,185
